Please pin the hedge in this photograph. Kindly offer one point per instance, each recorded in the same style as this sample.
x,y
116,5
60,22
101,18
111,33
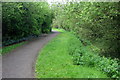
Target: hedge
x,y
21,20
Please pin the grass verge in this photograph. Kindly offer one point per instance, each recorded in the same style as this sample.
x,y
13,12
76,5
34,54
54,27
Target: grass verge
x,y
58,29
88,56
7,49
54,61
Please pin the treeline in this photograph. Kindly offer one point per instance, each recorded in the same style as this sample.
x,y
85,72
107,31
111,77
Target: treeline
x,y
92,22
96,25
22,20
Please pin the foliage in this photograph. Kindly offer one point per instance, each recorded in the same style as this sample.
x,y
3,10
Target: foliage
x,y
97,22
54,61
24,19
83,56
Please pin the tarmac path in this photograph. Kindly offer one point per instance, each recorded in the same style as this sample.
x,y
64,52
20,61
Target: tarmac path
x,y
20,63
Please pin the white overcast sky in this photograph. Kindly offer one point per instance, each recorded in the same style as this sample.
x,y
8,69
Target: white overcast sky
x,y
61,1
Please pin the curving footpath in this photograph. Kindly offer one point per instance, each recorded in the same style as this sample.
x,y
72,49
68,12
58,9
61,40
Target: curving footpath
x,y
20,63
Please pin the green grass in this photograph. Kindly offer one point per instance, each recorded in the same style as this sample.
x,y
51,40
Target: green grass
x,y
88,55
54,61
59,30
7,49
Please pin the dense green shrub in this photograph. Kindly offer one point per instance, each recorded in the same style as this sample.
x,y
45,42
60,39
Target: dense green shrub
x,y
97,22
24,19
83,56
96,25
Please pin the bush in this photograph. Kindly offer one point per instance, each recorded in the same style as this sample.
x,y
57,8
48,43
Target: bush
x,y
97,22
24,19
83,56
96,25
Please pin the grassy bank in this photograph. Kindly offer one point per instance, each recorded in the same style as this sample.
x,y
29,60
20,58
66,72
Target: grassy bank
x,y
7,49
87,54
54,61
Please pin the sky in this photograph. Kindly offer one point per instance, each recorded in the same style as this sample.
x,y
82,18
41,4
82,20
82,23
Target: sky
x,y
61,1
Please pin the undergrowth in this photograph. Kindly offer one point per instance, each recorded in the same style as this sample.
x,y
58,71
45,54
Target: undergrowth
x,y
54,61
83,55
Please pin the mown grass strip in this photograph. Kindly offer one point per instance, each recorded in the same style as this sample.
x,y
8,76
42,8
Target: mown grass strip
x,y
7,49
58,29
54,61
